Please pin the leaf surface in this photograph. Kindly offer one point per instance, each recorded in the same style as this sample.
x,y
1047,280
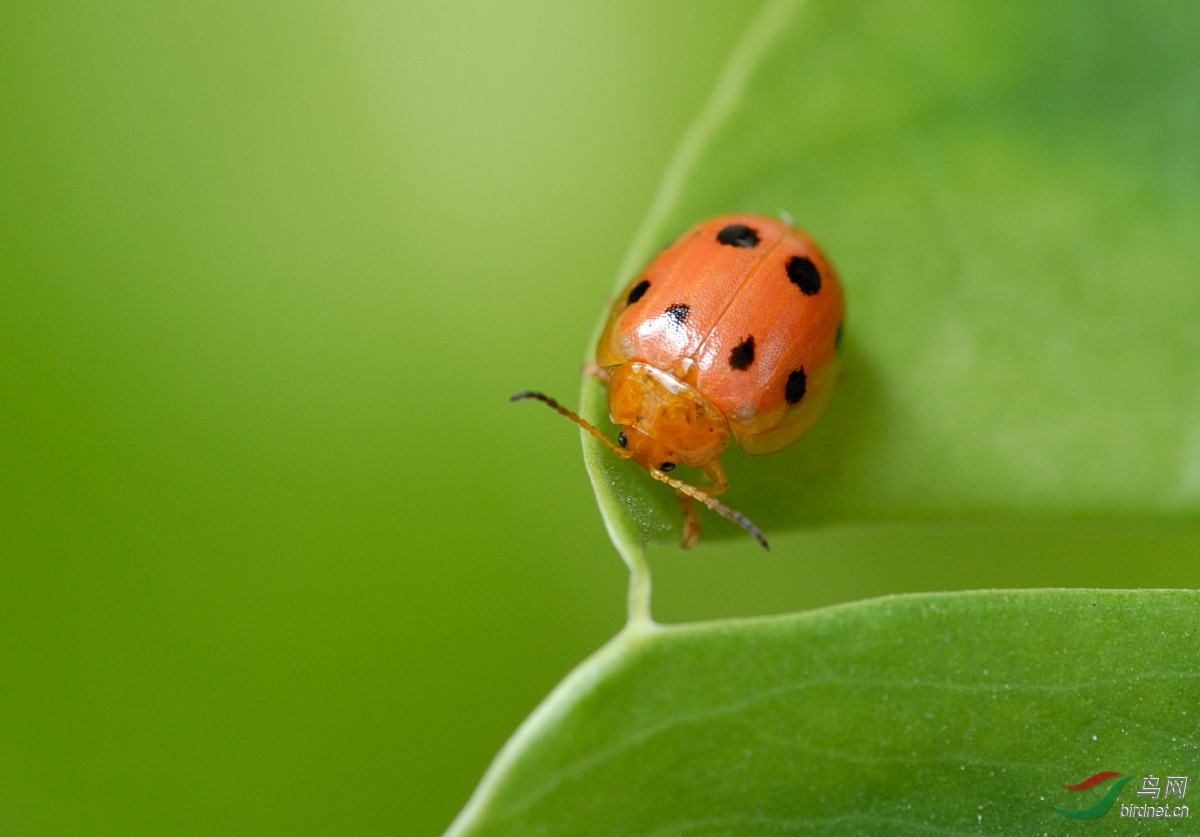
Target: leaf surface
x,y
935,714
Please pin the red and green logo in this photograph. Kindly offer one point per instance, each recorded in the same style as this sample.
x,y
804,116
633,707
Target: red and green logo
x,y
1105,802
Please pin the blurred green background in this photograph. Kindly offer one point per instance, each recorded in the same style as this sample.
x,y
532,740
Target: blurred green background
x,y
276,554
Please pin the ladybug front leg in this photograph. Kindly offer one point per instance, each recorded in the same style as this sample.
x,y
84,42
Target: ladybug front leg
x,y
716,475
691,521
691,518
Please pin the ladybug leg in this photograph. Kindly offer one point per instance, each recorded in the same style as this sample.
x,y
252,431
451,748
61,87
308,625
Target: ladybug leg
x,y
716,475
691,521
596,371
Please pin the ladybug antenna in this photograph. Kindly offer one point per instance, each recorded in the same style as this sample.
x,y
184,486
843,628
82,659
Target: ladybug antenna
x,y
682,487
714,504
563,411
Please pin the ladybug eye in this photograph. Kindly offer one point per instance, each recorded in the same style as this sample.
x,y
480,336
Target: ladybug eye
x,y
667,466
622,440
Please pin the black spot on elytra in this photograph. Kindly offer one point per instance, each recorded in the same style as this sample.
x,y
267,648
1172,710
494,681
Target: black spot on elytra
x,y
738,235
678,312
638,291
667,466
743,354
797,383
804,275
622,439
837,340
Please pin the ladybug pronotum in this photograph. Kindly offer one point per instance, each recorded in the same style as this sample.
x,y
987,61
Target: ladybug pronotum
x,y
732,330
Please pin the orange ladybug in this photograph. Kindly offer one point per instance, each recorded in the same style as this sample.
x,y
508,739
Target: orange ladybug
x,y
731,330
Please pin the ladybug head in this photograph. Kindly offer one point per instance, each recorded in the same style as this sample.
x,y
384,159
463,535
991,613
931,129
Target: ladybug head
x,y
664,422
646,450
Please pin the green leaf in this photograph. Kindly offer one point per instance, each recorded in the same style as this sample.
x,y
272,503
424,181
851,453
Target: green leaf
x,y
933,714
1011,193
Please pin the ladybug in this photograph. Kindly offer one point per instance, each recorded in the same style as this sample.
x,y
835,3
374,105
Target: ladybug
x,y
732,330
